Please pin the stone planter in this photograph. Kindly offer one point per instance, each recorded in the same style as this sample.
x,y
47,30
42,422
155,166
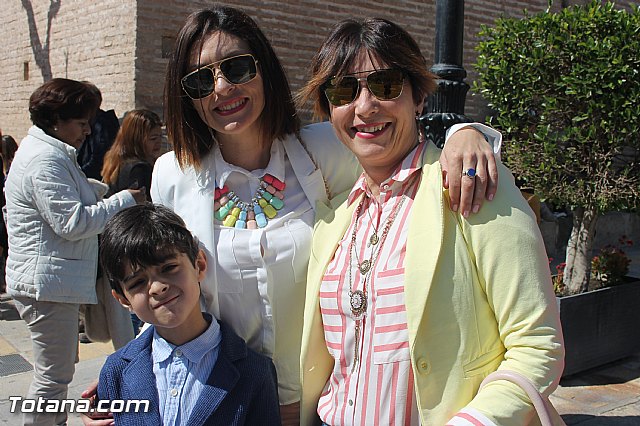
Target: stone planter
x,y
600,326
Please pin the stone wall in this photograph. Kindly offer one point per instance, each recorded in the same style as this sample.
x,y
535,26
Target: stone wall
x,y
611,227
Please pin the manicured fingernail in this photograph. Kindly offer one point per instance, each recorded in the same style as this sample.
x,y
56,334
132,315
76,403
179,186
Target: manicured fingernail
x,y
490,197
454,208
466,213
476,208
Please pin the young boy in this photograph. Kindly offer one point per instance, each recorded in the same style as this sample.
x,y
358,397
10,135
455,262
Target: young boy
x,y
192,369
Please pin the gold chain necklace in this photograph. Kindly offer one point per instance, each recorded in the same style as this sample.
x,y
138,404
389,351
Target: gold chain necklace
x,y
358,299
373,239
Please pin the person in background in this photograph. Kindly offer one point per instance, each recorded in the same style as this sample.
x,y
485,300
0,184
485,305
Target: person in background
x,y
8,147
54,217
129,162
410,305
104,127
8,151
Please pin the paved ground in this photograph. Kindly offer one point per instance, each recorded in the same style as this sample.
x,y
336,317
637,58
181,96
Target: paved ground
x,y
14,340
607,396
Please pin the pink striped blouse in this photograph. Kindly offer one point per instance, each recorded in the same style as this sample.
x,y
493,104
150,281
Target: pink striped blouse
x,y
379,391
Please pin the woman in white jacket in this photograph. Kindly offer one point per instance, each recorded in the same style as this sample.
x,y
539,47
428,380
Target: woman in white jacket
x,y
54,216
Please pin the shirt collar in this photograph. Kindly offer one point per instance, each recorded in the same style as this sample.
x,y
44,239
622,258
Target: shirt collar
x,y
275,168
193,350
412,163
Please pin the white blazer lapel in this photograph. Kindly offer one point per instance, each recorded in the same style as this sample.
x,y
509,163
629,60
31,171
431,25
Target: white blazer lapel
x,y
309,176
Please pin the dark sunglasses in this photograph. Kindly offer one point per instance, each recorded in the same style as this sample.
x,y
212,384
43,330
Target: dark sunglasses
x,y
383,84
236,70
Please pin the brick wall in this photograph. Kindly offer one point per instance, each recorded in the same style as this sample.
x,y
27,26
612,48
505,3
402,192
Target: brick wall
x,y
88,41
297,28
98,42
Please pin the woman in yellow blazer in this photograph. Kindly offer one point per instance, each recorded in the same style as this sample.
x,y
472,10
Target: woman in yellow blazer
x,y
470,296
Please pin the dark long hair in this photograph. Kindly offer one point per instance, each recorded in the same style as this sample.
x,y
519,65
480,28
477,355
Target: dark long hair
x,y
9,148
382,39
190,136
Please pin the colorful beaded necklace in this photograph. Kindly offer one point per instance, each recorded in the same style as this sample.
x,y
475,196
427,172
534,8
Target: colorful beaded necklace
x,y
233,212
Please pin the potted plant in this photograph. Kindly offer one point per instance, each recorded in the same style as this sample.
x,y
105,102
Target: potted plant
x,y
611,266
565,88
601,325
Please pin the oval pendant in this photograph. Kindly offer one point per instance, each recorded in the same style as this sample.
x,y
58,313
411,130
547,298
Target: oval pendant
x,y
365,266
358,302
373,240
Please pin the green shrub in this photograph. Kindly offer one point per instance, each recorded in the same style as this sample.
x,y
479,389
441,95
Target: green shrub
x,y
566,90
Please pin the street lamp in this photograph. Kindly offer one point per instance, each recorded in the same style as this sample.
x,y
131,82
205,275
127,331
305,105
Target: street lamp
x,y
446,106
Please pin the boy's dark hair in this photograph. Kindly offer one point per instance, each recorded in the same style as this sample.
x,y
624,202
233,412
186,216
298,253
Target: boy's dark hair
x,y
141,236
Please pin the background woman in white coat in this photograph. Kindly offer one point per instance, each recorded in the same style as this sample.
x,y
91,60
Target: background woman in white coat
x,y
54,217
246,180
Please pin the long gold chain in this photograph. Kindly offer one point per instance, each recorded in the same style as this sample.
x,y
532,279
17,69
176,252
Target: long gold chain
x,y
358,299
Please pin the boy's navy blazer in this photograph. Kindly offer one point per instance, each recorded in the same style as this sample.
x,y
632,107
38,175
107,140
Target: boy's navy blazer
x,y
241,389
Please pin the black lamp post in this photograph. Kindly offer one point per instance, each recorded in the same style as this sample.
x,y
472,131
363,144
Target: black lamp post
x,y
446,107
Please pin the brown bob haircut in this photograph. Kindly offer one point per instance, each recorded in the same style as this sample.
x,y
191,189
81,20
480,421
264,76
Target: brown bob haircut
x,y
190,136
61,99
382,40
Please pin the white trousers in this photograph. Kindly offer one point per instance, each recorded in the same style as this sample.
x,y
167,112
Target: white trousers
x,y
54,340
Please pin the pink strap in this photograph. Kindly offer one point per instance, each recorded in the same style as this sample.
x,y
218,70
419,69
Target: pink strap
x,y
538,400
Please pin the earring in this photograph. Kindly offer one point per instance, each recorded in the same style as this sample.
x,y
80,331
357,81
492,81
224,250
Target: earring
x,y
55,129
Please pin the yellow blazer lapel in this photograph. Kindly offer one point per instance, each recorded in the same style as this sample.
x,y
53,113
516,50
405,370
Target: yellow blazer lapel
x,y
424,240
331,224
316,362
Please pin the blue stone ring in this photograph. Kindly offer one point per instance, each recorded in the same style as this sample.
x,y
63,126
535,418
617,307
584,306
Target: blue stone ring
x,y
470,173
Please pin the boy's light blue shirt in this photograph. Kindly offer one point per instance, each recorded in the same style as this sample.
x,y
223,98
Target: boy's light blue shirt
x,y
182,371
